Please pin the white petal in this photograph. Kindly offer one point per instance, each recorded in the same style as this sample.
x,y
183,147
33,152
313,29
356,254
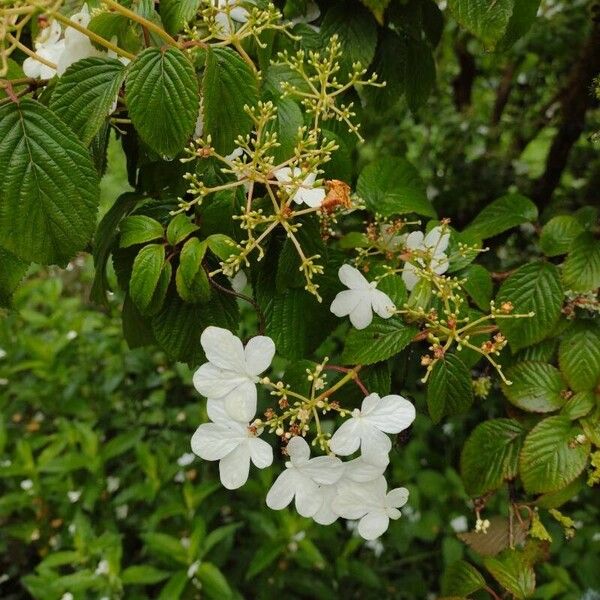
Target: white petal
x,y
239,14
326,515
259,353
361,470
240,403
298,451
309,498
325,470
397,497
439,264
212,382
374,445
346,439
369,404
373,525
437,242
410,276
352,278
234,468
312,197
31,68
362,315
260,453
239,280
284,175
392,414
353,500
223,349
414,240
283,490
382,304
345,302
213,441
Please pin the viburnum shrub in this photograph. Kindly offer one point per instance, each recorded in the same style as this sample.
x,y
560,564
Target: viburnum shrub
x,y
238,122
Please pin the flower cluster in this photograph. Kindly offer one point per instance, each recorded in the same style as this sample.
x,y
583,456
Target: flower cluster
x,y
324,487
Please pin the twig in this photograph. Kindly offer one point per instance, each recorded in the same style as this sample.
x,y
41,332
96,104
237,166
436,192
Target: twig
x,y
357,379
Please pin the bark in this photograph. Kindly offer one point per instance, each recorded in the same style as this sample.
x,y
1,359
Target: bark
x,y
463,82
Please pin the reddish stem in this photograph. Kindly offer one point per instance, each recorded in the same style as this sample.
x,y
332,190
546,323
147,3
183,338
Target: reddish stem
x,y
357,379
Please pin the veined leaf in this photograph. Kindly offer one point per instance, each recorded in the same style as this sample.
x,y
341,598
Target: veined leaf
x,y
139,229
536,387
581,270
177,13
449,390
521,20
191,279
558,235
461,579
486,20
12,271
579,356
179,229
49,186
147,268
478,285
513,572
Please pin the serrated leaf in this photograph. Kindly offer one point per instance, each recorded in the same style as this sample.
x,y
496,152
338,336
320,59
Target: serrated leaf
x,y
486,20
513,573
160,292
49,186
419,72
85,93
228,84
490,455
289,119
449,390
536,387
552,456
579,356
579,405
179,229
139,229
191,278
581,269
145,275
221,245
379,341
11,273
461,579
392,186
536,288
176,13
558,235
521,20
501,215
161,91
560,497
478,285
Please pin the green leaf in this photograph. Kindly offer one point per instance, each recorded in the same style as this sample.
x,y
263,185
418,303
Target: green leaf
x,y
379,341
147,268
536,387
579,356
501,215
558,235
214,583
536,288
162,97
461,579
579,405
581,270
139,229
263,557
490,455
222,246
289,120
521,20
179,229
49,186
377,7
478,285
163,545
160,292
143,575
191,278
556,499
449,391
392,186
85,93
228,84
173,589
12,272
552,456
512,571
419,72
486,20
356,30
177,13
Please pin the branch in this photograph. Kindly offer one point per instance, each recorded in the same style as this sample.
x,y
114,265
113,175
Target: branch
x,y
463,82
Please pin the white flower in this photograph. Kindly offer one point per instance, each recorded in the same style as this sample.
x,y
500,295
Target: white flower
x,y
234,445
238,281
367,427
304,192
301,479
370,503
112,484
2,353
186,459
238,14
434,244
74,496
103,567
77,45
459,524
361,299
231,374
71,335
122,511
67,596
48,46
26,484
193,569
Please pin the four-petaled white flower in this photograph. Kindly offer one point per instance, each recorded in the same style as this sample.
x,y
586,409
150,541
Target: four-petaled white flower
x,y
434,244
234,445
372,504
231,375
77,44
367,428
304,191
48,46
361,299
301,479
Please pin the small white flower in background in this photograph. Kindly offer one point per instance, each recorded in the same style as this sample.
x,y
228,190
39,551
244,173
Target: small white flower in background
x,y
234,445
361,299
179,477
48,46
74,496
301,479
112,484
103,567
239,281
186,459
193,569
372,504
122,511
67,596
434,243
376,546
237,14
367,428
3,381
459,524
71,335
232,372
26,484
304,192
2,353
